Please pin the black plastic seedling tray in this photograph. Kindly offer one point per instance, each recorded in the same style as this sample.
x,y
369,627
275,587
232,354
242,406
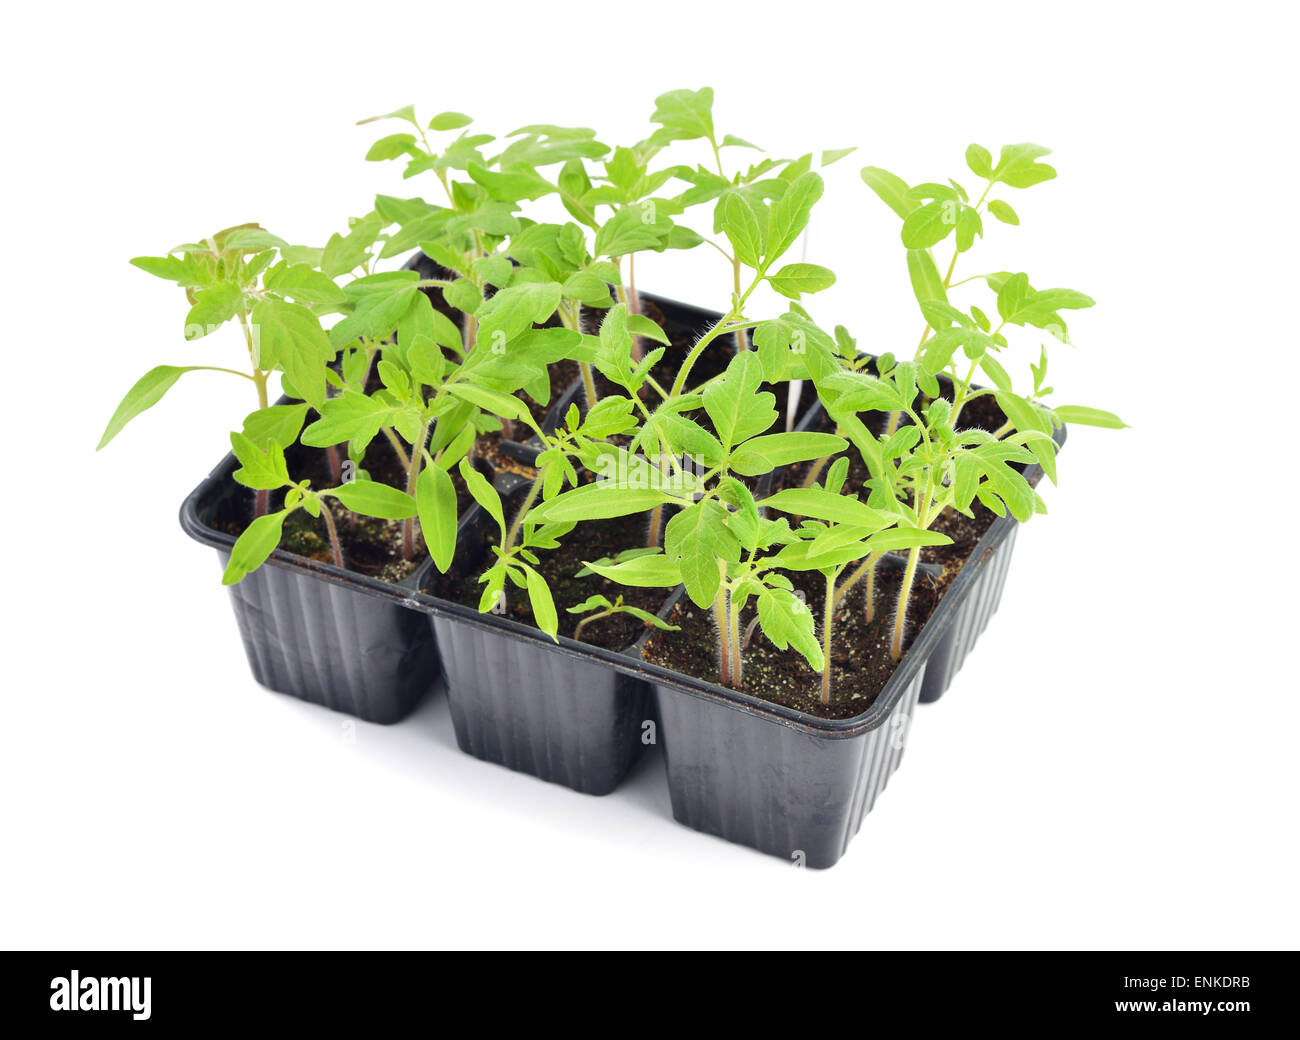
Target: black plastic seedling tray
x,y
757,773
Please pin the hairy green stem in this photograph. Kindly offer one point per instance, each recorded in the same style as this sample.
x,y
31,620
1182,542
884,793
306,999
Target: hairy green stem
x,y
871,593
577,632
818,467
900,612
396,443
335,546
733,631
724,642
867,569
412,479
529,500
828,622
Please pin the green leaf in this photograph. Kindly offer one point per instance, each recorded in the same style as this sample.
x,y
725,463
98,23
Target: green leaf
x,y
406,112
833,155
740,225
375,499
449,121
351,416
1084,416
300,282
263,469
979,161
1018,165
685,114
599,501
698,538
543,604
787,622
790,213
760,455
183,271
822,505
484,494
253,547
929,225
969,225
277,423
927,285
251,239
993,368
905,538
391,147
146,393
1062,299
1003,212
794,279
435,502
292,340
891,189
738,410
493,401
647,572
212,307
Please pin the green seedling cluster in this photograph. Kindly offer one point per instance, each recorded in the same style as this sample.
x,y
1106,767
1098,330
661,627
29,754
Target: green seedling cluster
x,y
534,239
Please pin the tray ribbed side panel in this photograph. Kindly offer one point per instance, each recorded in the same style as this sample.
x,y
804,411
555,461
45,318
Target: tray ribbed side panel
x,y
539,711
770,786
331,645
980,601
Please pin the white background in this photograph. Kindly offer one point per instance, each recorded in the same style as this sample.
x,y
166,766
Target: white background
x,y
1116,764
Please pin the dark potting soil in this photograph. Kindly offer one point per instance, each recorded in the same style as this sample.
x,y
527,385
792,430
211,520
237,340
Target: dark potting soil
x,y
965,531
371,546
594,540
861,664
860,648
